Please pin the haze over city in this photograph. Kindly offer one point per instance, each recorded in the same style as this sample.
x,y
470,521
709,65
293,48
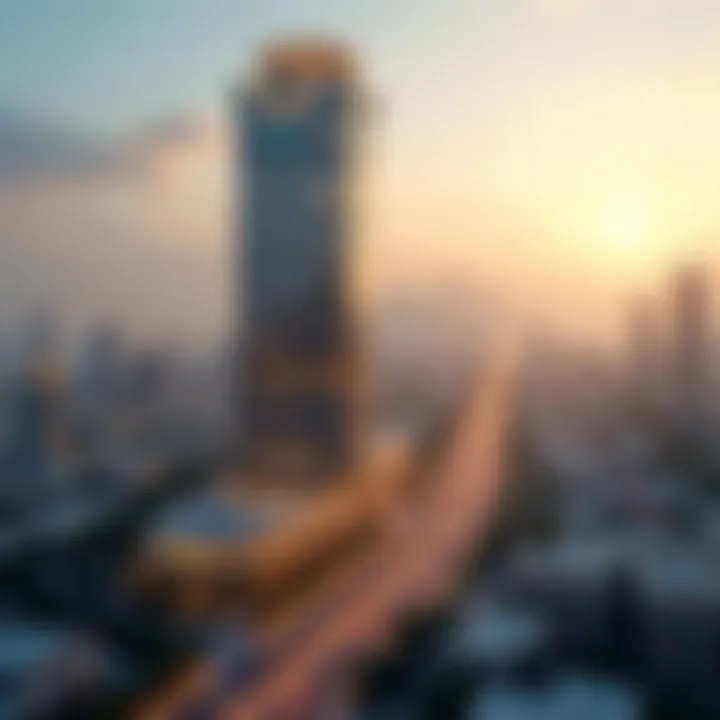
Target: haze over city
x,y
359,361
554,155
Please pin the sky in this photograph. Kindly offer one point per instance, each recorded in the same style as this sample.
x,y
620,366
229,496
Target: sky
x,y
561,155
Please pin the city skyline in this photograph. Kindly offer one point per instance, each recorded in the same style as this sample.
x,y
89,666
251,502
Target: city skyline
x,y
367,371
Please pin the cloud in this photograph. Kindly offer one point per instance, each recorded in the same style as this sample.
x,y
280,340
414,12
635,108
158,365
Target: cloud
x,y
30,149
130,227
35,150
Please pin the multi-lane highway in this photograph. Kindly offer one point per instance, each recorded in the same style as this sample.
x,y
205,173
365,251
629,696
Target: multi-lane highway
x,y
309,657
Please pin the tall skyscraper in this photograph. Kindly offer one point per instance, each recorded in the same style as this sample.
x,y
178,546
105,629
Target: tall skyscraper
x,y
648,361
691,336
643,348
298,129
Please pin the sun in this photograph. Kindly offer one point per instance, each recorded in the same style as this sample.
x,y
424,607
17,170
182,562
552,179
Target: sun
x,y
626,232
626,227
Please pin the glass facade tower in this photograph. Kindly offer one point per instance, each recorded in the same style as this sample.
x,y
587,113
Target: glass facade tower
x,y
299,389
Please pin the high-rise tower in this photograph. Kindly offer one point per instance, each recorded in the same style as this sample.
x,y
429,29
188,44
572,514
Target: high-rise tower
x,y
692,327
298,125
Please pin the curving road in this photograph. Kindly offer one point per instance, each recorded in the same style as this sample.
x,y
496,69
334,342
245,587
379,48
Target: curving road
x,y
417,563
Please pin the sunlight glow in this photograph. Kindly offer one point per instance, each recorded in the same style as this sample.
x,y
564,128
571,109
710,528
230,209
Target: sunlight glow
x,y
627,228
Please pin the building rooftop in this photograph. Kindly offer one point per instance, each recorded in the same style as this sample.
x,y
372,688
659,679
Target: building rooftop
x,y
498,636
25,647
309,59
58,518
215,517
41,664
568,698
241,523
664,567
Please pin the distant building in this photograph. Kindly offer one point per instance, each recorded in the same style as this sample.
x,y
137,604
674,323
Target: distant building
x,y
99,384
650,598
568,697
39,340
49,671
37,428
500,640
298,403
691,315
645,356
102,364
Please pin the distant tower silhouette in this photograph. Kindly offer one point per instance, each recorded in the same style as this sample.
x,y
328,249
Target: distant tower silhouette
x,y
37,427
691,340
298,401
101,366
36,423
647,361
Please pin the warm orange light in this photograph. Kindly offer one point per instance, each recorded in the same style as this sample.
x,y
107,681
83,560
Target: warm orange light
x,y
627,228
